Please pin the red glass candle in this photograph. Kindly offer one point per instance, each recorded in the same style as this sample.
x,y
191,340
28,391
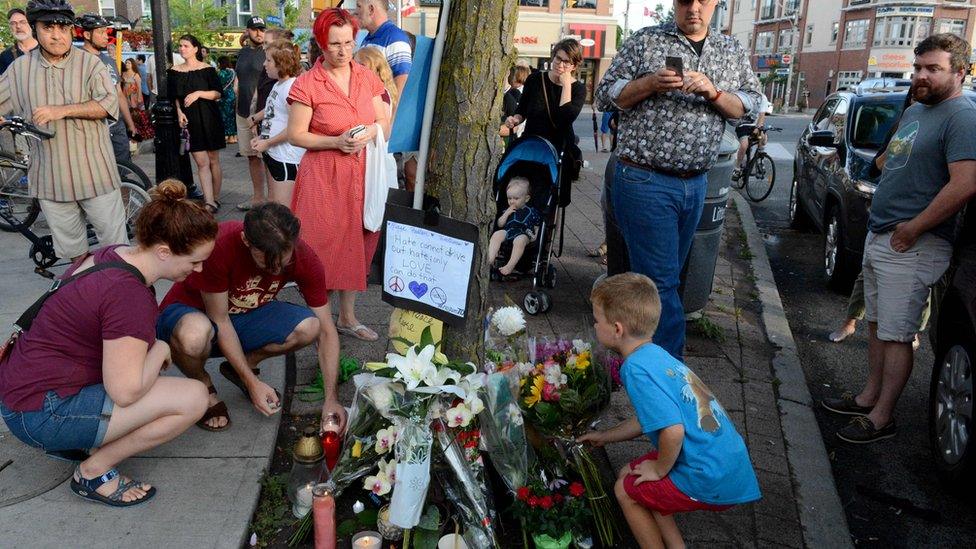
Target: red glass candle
x,y
331,440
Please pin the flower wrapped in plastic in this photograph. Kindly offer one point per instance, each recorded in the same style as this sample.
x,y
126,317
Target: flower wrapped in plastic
x,y
503,429
506,343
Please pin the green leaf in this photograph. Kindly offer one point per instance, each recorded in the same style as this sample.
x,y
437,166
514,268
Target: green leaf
x,y
569,401
367,518
431,518
426,338
423,538
346,528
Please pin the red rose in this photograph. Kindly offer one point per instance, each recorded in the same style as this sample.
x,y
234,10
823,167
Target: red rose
x,y
558,498
576,489
546,502
533,501
523,493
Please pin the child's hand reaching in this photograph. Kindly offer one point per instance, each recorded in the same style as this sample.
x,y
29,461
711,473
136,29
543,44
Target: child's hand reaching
x,y
645,471
594,438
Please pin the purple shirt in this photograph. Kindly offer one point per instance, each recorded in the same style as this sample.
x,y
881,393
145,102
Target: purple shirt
x,y
62,352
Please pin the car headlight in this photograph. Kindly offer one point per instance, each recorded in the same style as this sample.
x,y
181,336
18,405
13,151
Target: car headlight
x,y
864,188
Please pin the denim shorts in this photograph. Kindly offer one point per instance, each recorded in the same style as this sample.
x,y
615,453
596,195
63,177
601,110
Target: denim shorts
x,y
270,323
77,422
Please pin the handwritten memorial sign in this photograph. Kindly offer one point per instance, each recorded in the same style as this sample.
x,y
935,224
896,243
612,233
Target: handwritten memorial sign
x,y
428,268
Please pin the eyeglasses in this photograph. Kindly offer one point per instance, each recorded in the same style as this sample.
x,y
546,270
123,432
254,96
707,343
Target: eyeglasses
x,y
340,47
562,60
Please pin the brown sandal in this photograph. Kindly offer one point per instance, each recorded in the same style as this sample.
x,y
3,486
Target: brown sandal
x,y
217,410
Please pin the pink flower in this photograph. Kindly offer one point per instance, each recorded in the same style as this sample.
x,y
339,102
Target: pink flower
x,y
550,393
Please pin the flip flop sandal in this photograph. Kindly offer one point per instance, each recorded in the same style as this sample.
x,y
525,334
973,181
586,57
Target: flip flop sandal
x,y
230,373
85,488
217,410
354,331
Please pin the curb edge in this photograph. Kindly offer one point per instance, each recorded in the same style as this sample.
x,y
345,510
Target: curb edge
x,y
822,516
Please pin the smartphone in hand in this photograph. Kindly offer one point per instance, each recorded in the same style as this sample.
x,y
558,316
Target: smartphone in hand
x,y
675,64
357,130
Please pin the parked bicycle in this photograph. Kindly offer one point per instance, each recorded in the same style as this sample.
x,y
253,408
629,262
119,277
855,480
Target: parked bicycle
x,y
42,253
759,175
15,199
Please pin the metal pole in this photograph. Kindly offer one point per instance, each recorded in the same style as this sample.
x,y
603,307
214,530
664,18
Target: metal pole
x,y
562,14
435,70
627,20
789,69
164,112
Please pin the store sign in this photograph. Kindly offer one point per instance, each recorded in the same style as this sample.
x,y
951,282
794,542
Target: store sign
x,y
595,37
891,60
527,40
924,11
769,61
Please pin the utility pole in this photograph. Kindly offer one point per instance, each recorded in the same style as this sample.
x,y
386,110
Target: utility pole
x,y
627,20
164,111
562,15
794,39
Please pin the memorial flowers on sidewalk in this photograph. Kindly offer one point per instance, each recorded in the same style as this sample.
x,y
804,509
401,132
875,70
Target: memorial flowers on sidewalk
x,y
553,515
506,343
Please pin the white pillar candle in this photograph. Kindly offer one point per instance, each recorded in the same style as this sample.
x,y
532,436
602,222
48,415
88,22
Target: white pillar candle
x,y
367,540
303,501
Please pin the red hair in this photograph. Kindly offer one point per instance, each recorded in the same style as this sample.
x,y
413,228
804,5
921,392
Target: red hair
x,y
333,17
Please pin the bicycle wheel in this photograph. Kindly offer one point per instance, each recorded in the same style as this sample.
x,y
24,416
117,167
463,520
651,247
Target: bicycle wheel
x,y
128,171
761,174
15,200
134,197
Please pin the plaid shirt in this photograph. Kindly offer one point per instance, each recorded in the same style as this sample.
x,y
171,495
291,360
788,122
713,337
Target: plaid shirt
x,y
78,163
676,131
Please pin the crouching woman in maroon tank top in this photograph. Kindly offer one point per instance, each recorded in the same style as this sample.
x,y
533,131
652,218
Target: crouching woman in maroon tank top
x,y
85,376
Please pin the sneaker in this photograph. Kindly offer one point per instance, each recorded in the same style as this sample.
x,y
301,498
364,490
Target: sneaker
x,y
736,174
845,405
861,431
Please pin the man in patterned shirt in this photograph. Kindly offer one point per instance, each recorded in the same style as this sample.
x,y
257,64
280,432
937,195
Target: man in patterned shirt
x,y
668,137
68,91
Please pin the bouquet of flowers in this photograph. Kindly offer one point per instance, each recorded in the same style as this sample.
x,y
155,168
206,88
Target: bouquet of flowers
x,y
553,513
506,343
559,396
503,429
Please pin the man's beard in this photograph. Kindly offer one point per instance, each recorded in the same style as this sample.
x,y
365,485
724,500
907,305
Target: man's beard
x,y
927,94
22,37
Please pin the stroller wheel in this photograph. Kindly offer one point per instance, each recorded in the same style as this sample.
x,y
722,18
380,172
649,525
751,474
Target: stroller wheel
x,y
549,278
532,303
546,302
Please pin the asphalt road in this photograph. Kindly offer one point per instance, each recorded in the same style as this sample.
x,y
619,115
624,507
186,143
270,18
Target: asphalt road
x,y
891,496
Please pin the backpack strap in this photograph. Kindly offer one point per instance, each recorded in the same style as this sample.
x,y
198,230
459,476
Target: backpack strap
x,y
25,321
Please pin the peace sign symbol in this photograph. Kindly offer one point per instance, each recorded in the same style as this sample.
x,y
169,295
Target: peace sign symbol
x,y
396,284
438,296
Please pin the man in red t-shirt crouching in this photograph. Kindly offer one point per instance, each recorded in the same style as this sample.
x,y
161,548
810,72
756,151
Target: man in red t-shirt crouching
x,y
229,309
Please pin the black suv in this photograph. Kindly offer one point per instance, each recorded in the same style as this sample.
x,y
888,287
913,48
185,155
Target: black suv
x,y
952,429
832,186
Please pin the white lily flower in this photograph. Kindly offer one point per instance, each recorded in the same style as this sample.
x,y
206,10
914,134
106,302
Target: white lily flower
x,y
474,404
441,376
415,367
554,375
579,346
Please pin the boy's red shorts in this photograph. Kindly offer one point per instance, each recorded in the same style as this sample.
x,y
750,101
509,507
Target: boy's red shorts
x,y
662,495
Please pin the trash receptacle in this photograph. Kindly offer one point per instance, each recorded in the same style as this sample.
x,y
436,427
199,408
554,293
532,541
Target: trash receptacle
x,y
699,267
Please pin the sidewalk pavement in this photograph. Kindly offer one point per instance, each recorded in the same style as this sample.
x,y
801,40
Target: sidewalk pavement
x,y
209,483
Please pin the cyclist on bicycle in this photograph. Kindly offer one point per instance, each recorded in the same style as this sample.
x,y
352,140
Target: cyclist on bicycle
x,y
74,175
744,132
94,31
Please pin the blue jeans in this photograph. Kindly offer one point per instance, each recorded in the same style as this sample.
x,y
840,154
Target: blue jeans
x,y
270,323
657,215
77,422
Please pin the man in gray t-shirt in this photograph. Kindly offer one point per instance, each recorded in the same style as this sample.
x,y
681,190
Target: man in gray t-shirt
x,y
929,174
250,65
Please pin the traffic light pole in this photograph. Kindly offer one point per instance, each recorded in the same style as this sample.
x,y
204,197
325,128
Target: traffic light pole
x,y
167,138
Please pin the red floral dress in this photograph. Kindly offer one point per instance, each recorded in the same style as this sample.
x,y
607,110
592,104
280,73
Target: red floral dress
x,y
330,186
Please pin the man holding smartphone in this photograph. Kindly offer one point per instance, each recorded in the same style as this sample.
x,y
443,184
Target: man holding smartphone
x,y
675,86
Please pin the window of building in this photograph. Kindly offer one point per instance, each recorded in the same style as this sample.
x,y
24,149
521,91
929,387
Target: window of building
x,y
808,37
902,31
764,42
954,26
856,33
147,8
767,9
790,7
244,6
848,79
106,8
834,30
785,40
583,4
535,3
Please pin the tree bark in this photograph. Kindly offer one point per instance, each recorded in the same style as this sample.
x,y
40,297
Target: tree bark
x,y
465,146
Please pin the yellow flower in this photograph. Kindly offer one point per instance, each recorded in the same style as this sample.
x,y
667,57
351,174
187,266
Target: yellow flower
x,y
357,448
535,392
583,360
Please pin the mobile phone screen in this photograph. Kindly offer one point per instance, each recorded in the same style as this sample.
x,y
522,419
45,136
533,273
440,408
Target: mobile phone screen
x,y
675,64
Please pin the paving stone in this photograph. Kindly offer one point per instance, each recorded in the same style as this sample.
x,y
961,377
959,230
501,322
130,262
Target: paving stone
x,y
768,461
778,532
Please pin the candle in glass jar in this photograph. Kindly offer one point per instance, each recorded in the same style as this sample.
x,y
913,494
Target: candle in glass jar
x,y
303,501
323,514
367,540
331,440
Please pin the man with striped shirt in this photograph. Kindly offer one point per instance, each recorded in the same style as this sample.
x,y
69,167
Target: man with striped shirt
x,y
68,91
383,34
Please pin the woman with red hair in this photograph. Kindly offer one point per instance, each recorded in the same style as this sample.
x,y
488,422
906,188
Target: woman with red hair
x,y
327,105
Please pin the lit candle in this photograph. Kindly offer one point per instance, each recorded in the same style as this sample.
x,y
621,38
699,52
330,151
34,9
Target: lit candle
x,y
323,513
367,540
303,501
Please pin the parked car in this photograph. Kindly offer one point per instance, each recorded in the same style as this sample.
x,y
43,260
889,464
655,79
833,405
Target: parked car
x,y
832,186
952,431
877,84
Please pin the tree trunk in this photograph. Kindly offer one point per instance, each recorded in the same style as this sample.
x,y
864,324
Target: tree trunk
x,y
465,146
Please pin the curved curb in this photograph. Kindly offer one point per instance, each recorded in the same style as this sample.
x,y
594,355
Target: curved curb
x,y
821,513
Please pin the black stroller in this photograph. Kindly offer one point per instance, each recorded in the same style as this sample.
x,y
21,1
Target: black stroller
x,y
537,160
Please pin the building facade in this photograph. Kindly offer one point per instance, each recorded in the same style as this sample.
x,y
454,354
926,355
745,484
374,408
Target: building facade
x,y
820,46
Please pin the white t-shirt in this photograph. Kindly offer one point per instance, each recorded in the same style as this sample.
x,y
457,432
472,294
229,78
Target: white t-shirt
x,y
276,121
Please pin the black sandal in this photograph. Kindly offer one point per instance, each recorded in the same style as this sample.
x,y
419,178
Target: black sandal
x,y
212,208
86,487
217,410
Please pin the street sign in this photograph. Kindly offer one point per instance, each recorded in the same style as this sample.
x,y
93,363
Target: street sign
x,y
787,59
587,42
782,72
273,19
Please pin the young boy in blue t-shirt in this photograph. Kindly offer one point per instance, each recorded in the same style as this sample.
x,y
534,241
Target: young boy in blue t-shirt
x,y
701,462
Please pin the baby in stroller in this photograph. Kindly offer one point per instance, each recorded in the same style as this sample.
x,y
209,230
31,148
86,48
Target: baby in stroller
x,y
518,224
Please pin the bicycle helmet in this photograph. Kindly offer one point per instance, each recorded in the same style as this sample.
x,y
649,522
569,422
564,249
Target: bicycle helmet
x,y
51,11
90,21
